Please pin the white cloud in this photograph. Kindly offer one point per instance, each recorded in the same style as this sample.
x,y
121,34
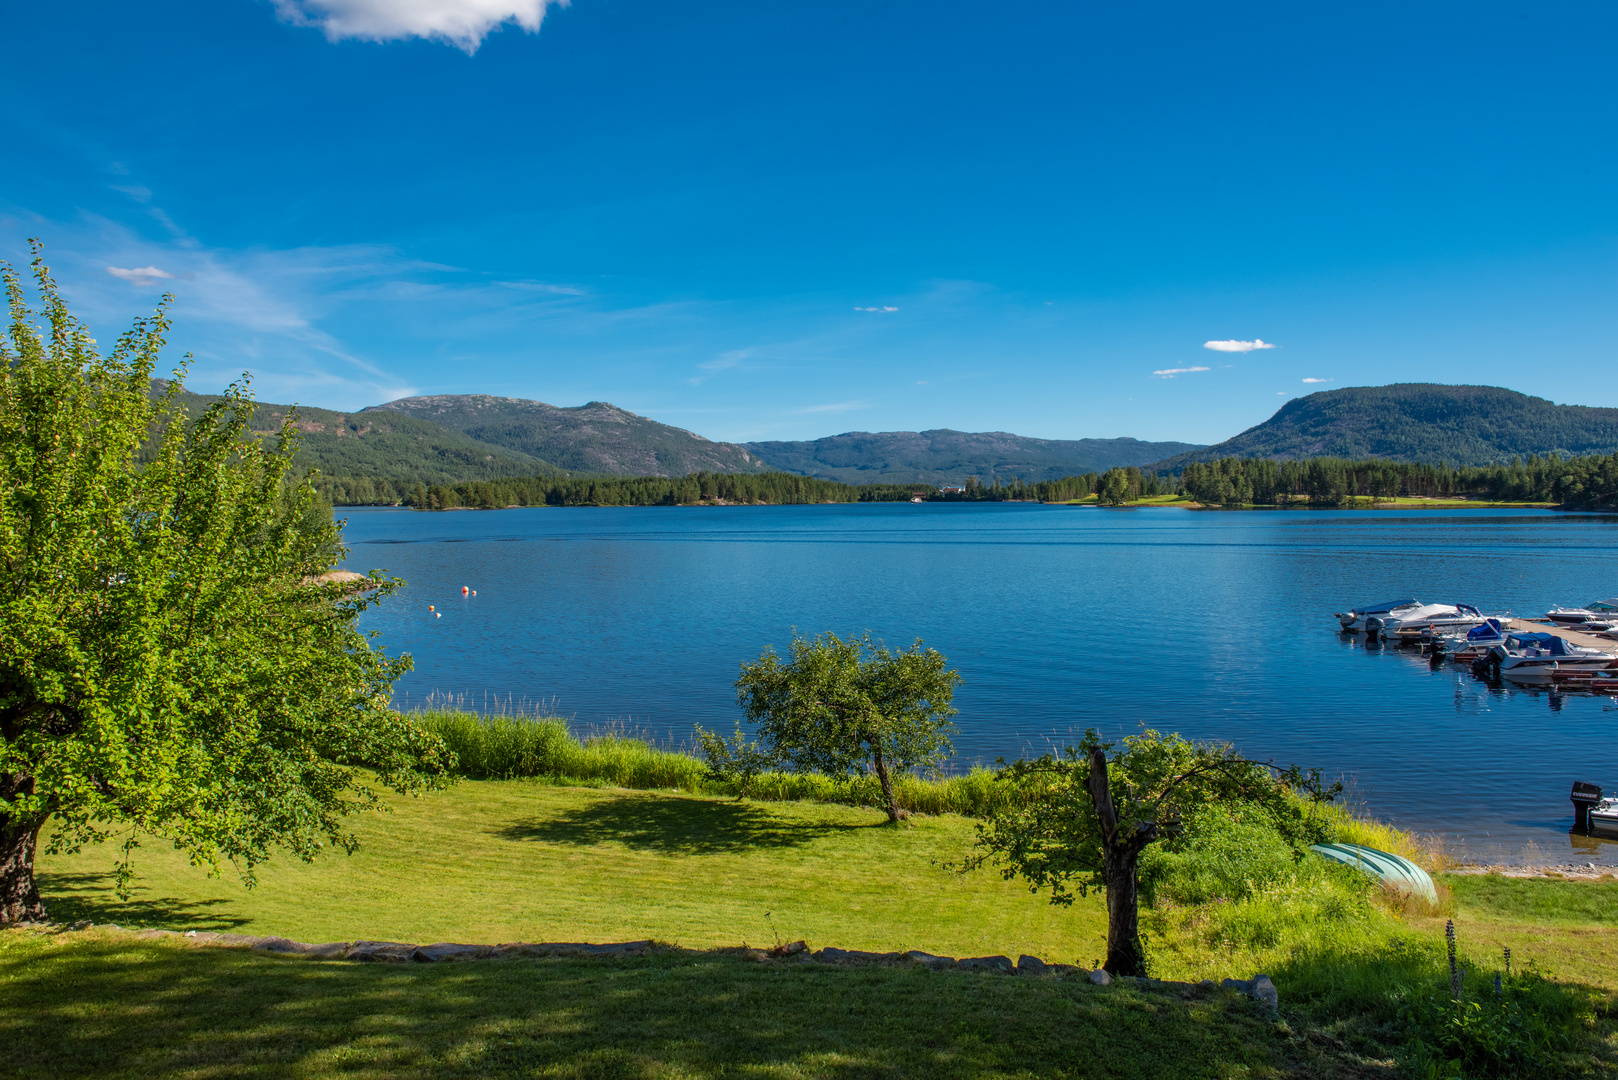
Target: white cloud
x,y
839,407
461,23
140,275
1319,380
1169,373
876,309
1238,346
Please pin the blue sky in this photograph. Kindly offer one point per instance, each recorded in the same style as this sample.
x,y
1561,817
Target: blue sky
x,y
785,221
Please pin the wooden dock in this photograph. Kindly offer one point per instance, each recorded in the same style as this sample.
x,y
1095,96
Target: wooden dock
x,y
1545,626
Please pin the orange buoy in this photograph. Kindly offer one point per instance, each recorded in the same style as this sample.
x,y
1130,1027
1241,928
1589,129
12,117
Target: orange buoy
x,y
474,592
431,608
464,590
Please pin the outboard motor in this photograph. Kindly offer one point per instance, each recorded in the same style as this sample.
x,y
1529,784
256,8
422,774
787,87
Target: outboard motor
x,y
1584,796
1373,629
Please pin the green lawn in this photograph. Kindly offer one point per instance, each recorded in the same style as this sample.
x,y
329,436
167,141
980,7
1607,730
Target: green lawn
x,y
500,861
522,861
79,1006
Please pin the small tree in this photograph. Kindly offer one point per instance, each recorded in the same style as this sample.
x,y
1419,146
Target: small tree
x,y
1093,812
843,704
166,665
736,760
1115,487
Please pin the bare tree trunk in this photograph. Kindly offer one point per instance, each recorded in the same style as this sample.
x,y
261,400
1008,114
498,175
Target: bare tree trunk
x,y
891,804
1120,861
19,896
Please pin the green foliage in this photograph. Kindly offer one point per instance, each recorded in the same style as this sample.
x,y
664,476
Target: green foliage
x,y
163,664
1115,488
1576,482
942,456
736,761
1513,1028
597,438
373,458
1466,425
1057,842
840,705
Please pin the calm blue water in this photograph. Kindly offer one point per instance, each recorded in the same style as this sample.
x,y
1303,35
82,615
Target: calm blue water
x,y
1215,624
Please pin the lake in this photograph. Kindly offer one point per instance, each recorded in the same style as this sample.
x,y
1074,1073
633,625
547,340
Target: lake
x,y
1217,625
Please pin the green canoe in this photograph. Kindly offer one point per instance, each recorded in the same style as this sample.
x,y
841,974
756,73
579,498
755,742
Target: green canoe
x,y
1398,872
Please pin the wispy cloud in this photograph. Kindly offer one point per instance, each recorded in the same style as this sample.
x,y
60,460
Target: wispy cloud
x,y
1319,380
461,23
1238,346
857,308
838,407
140,275
1169,373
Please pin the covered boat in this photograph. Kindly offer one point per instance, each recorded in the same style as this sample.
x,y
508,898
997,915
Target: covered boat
x,y
1395,870
1535,657
1409,624
1467,645
1353,620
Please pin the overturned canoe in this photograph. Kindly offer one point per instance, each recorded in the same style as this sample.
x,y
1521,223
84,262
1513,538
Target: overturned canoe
x,y
1394,870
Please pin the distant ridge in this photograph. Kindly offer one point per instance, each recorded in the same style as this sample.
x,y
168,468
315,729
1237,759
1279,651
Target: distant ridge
x,y
943,456
1422,422
596,438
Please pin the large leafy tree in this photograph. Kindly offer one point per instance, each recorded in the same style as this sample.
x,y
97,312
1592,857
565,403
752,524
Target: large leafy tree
x,y
1090,814
167,665
839,705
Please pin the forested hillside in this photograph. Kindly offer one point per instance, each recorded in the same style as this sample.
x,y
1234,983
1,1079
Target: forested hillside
x,y
380,457
943,456
1428,422
595,439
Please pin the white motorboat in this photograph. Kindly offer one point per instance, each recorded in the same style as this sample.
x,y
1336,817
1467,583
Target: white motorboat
x,y
1353,621
1604,816
1604,612
1534,657
1464,645
1409,624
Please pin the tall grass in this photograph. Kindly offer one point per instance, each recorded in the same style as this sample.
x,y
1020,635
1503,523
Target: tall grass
x,y
510,746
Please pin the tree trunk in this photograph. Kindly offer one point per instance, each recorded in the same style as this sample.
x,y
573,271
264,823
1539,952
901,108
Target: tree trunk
x,y
1120,853
890,803
19,896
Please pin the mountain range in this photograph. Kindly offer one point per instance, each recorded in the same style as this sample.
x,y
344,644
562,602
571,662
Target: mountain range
x,y
448,438
1425,422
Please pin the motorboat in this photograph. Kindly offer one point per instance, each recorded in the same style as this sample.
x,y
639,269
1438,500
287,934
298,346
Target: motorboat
x,y
1603,816
1464,645
1604,612
1533,658
1408,624
1353,620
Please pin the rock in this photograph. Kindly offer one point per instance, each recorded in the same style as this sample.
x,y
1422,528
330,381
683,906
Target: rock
x,y
1241,986
1264,993
1065,969
82,924
330,950
572,948
445,951
380,952
792,948
1100,977
202,937
1208,984
1001,964
934,962
154,935
1031,965
239,941
279,945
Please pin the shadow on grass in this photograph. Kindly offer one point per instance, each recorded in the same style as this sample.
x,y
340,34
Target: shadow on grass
x,y
673,826
72,897
163,1010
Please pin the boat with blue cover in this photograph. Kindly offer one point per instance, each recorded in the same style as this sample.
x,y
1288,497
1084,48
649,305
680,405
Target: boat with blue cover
x,y
1537,657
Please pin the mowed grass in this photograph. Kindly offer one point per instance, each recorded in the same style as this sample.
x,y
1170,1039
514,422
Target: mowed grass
x,y
1568,930
79,1005
488,862
524,860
